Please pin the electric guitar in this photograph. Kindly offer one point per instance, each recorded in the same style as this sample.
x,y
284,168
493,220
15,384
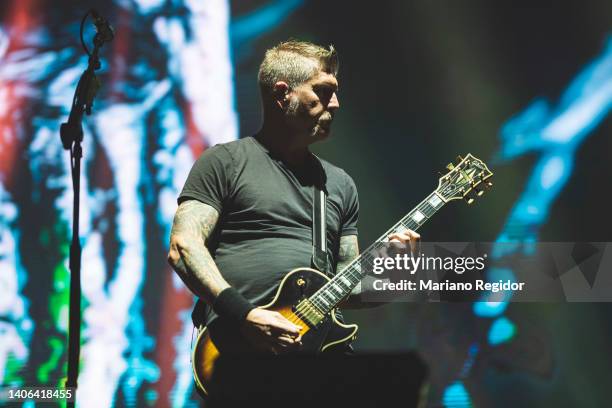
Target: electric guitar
x,y
309,298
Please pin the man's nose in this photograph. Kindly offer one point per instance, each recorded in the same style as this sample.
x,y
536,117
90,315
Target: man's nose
x,y
334,103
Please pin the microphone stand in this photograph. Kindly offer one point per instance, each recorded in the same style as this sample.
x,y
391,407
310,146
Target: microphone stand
x,y
71,133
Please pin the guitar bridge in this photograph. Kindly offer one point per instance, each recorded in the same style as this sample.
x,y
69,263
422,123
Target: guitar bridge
x,y
308,312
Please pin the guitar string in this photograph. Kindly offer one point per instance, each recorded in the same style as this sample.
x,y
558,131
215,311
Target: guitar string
x,y
352,275
424,206
350,272
315,306
427,209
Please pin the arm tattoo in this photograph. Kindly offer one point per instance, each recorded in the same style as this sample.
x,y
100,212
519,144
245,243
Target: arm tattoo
x,y
195,218
189,256
349,250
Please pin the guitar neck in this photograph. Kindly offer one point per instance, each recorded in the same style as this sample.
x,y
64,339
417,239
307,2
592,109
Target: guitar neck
x,y
341,285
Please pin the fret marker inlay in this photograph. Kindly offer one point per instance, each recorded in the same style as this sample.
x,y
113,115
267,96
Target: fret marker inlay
x,y
418,216
346,281
435,201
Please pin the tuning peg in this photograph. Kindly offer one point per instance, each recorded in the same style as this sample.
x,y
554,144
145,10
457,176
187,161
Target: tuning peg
x,y
478,190
468,200
450,166
489,184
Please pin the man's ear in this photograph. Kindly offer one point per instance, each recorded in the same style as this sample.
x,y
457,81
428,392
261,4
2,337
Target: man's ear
x,y
280,93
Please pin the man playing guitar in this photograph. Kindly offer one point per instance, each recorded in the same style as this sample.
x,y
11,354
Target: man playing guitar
x,y
245,213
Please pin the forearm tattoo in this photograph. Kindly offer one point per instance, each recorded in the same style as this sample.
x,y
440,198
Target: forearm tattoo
x,y
193,224
349,250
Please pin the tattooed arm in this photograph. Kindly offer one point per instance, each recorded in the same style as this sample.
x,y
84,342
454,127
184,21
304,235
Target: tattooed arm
x,y
190,258
349,250
193,223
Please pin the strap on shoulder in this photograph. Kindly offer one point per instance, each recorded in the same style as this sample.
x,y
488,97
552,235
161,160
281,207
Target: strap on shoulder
x,y
319,230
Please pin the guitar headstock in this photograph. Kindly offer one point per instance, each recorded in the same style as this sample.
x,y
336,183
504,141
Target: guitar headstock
x,y
465,180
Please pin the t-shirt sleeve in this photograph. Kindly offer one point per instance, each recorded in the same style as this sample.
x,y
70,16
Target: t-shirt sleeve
x,y
209,180
351,208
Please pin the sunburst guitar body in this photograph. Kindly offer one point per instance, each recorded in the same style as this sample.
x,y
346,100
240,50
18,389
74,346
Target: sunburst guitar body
x,y
320,333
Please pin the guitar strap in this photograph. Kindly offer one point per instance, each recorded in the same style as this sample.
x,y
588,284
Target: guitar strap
x,y
319,228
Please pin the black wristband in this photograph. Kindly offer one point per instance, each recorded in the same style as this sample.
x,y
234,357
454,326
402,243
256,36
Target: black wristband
x,y
231,305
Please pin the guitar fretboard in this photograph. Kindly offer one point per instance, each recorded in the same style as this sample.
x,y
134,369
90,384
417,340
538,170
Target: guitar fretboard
x,y
341,285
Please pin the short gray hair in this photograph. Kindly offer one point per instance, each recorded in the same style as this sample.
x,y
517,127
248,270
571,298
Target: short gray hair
x,y
295,62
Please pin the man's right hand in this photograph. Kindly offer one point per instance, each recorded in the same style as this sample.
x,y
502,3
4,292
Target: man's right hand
x,y
271,331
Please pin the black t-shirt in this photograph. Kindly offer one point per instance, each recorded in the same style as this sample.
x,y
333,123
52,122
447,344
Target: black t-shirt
x,y
265,206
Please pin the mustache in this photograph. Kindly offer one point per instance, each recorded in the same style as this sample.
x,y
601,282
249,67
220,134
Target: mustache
x,y
326,118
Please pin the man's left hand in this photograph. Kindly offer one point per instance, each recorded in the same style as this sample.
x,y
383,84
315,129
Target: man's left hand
x,y
409,236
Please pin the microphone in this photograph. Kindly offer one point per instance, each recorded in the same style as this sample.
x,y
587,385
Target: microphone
x,y
105,31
